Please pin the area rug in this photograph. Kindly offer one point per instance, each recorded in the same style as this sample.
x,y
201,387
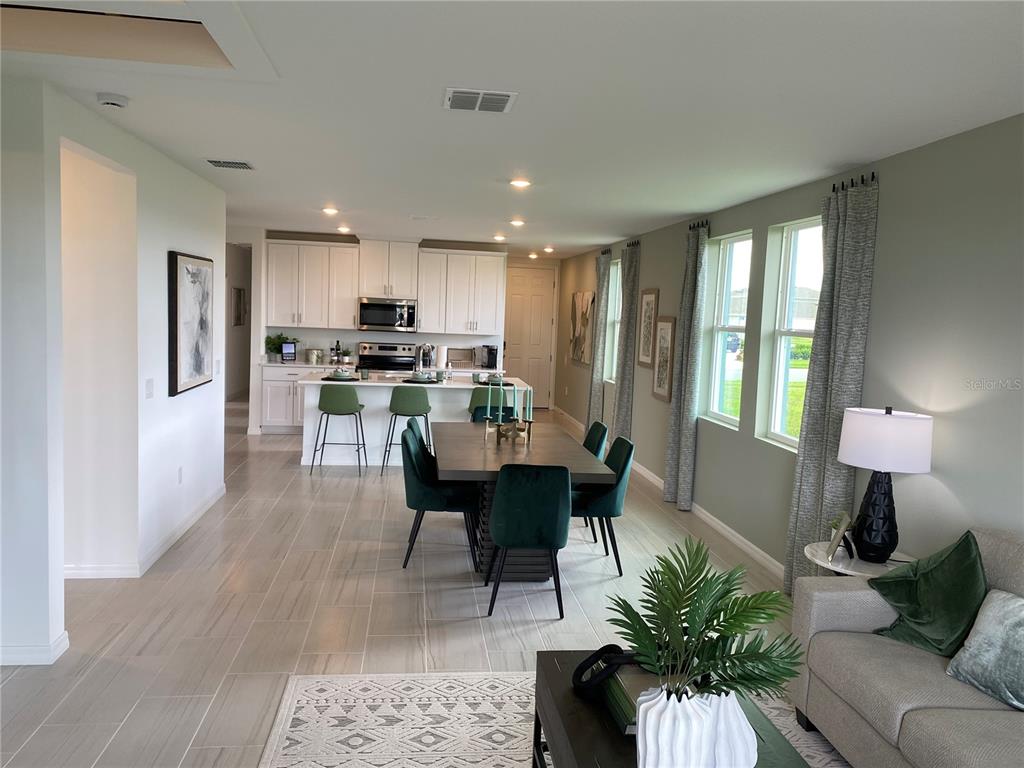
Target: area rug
x,y
436,720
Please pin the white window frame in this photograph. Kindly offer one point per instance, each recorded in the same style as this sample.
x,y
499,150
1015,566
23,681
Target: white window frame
x,y
718,327
613,320
782,331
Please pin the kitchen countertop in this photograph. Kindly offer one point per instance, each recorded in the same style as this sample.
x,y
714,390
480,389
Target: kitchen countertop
x,y
395,379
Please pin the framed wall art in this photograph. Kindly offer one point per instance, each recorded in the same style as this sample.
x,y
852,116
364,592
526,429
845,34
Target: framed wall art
x,y
664,352
190,309
648,317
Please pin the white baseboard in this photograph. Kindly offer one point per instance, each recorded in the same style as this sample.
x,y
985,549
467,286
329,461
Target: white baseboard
x,y
762,558
573,423
21,655
154,554
101,571
649,476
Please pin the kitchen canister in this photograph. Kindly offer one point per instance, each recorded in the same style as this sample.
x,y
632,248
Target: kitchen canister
x,y
315,356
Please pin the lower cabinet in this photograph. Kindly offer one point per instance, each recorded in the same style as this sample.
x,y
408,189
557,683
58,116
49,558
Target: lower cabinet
x,y
283,396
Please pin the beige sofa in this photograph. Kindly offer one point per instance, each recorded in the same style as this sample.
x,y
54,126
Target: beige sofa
x,y
885,704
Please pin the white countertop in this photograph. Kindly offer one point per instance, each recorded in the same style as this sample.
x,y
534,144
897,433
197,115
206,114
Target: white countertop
x,y
395,379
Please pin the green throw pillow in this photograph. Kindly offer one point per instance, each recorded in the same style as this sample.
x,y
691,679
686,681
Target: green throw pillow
x,y
992,659
936,597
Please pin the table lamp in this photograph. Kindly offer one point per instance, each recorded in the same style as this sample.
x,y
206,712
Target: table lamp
x,y
883,441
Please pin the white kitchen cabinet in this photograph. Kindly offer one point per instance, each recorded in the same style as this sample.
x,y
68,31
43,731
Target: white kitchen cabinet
x,y
343,289
489,295
373,268
282,285
432,291
278,404
402,269
460,293
314,281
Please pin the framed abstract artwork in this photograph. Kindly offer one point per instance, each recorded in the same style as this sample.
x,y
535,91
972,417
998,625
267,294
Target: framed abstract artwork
x,y
648,317
664,351
581,332
190,310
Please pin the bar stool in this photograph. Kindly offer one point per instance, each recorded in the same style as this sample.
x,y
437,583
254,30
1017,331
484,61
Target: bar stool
x,y
408,402
339,400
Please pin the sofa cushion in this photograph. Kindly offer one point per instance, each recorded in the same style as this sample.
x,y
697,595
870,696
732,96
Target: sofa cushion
x,y
884,679
963,739
992,659
1002,553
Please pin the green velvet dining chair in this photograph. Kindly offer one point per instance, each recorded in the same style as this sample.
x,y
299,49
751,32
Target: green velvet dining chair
x,y
424,492
602,503
530,510
594,441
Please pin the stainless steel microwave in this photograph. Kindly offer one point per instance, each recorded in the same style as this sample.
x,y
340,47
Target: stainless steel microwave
x,y
387,314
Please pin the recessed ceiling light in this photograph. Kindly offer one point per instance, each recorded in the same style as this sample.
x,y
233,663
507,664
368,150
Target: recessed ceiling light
x,y
517,222
344,229
520,183
533,255
329,210
548,249
499,238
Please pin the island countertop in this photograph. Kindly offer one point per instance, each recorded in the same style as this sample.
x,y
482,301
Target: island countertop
x,y
395,379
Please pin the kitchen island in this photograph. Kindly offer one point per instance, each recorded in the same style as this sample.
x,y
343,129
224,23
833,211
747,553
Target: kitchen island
x,y
449,401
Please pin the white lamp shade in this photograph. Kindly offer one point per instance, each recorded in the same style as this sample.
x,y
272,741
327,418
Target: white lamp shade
x,y
887,442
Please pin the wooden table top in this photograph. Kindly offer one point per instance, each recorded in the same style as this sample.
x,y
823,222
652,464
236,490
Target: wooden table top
x,y
462,453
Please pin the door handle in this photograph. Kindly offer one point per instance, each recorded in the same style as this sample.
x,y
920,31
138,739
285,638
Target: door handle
x,y
293,317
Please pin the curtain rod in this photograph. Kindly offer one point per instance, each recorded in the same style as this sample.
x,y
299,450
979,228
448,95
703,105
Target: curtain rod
x,y
853,182
699,224
633,243
606,251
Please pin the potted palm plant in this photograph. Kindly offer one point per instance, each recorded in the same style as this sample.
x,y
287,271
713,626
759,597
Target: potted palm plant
x,y
696,630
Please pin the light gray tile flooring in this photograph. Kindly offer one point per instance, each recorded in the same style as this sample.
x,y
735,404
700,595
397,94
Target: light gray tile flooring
x,y
289,573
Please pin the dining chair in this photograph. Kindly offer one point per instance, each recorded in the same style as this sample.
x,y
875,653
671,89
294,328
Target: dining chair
x,y
482,396
530,510
409,400
604,502
594,442
424,492
339,400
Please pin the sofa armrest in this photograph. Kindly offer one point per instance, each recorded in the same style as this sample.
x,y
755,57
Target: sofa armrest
x,y
832,604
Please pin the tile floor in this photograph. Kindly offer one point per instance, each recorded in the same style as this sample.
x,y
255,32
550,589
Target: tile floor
x,y
289,574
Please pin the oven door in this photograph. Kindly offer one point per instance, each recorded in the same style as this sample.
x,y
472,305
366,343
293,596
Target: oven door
x,y
387,315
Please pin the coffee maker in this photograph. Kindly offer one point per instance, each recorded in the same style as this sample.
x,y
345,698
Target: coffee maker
x,y
425,357
486,357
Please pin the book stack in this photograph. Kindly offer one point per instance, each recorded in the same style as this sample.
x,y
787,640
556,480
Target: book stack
x,y
621,691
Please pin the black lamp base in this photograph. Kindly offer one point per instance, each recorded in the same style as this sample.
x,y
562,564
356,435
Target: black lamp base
x,y
874,532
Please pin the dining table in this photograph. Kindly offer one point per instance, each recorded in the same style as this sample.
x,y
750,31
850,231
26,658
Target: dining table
x,y
469,452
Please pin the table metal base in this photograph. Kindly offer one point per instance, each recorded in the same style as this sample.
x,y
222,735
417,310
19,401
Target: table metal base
x,y
521,564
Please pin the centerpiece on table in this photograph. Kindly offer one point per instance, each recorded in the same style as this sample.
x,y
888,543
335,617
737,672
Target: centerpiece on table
x,y
695,629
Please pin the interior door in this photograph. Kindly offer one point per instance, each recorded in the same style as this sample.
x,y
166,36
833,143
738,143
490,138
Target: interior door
x,y
314,284
282,285
459,304
432,290
373,268
488,295
343,295
402,261
529,326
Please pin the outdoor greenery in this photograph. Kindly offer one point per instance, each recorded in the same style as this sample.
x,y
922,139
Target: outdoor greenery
x,y
273,343
695,629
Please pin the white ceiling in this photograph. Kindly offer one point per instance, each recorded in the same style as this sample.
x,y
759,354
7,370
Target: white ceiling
x,y
630,115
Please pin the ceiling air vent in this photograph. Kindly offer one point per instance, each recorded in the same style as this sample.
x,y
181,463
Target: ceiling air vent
x,y
235,165
468,100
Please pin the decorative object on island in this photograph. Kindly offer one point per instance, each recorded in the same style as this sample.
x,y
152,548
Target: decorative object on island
x,y
694,629
580,327
664,349
648,317
273,345
190,305
883,441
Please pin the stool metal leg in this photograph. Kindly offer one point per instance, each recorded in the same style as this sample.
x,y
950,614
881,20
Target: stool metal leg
x,y
387,443
323,448
362,440
312,458
355,427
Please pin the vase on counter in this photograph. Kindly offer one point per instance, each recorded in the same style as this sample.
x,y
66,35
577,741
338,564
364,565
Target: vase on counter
x,y
701,732
273,357
346,359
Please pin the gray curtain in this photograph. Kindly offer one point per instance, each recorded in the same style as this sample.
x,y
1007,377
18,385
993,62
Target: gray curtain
x,y
681,452
627,342
595,405
823,487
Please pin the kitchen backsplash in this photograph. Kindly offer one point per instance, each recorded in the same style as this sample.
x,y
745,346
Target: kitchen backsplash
x,y
318,338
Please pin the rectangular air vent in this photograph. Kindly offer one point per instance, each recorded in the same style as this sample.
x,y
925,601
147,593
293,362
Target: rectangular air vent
x,y
470,100
235,165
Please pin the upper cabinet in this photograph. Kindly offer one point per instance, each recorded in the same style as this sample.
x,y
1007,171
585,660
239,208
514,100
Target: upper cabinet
x,y
466,290
387,269
282,285
343,291
311,285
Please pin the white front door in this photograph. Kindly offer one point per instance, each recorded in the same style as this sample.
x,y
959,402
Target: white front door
x,y
529,324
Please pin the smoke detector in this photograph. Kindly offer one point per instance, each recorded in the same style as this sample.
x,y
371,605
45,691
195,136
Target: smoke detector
x,y
114,100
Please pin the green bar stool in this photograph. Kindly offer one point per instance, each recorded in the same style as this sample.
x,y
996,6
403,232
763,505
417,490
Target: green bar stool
x,y
406,401
478,401
339,400
530,510
605,502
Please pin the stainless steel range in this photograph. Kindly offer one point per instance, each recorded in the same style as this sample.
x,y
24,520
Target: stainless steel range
x,y
386,357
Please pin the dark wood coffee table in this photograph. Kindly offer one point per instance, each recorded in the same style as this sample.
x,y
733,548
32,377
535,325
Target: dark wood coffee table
x,y
578,733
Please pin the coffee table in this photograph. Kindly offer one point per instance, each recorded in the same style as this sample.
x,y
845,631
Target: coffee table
x,y
578,733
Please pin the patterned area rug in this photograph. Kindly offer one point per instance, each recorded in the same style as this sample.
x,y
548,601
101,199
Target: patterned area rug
x,y
439,720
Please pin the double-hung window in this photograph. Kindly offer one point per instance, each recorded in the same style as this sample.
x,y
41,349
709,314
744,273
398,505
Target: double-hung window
x,y
729,328
614,320
799,286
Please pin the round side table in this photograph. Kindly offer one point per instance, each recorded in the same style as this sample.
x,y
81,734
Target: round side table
x,y
842,563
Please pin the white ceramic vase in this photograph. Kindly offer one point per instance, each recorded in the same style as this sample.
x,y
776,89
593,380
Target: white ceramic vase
x,y
702,732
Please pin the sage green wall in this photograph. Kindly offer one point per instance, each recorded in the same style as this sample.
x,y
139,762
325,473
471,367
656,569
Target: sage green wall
x,y
946,339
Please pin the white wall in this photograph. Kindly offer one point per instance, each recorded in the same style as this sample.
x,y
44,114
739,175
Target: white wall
x,y
101,360
238,274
